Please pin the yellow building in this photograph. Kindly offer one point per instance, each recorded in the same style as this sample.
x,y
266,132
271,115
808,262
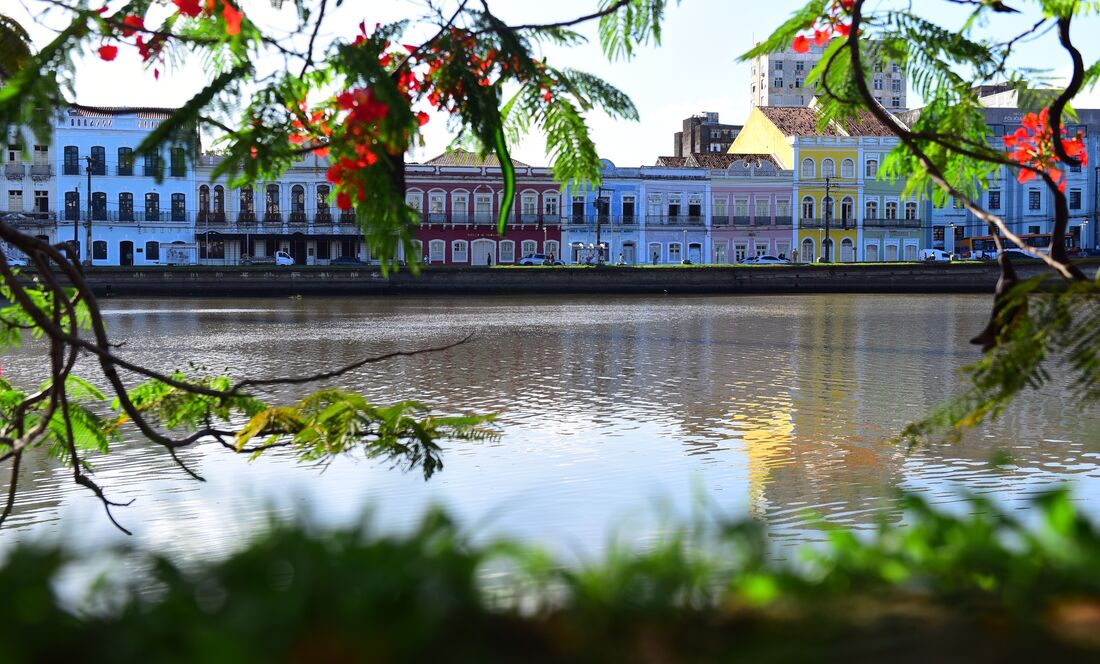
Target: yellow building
x,y
826,160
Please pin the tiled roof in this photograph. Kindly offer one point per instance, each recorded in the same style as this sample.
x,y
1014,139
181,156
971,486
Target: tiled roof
x,y
671,161
142,112
460,157
725,160
804,122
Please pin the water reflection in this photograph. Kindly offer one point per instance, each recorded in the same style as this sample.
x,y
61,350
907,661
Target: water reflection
x,y
770,405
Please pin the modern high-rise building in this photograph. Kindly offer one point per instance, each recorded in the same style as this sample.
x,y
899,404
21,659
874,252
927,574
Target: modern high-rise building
x,y
703,132
779,79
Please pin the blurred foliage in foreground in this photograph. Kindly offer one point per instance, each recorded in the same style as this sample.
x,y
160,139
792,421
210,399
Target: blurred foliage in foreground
x,y
935,588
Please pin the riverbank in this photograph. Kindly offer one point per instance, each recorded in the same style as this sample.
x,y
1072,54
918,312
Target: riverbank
x,y
239,281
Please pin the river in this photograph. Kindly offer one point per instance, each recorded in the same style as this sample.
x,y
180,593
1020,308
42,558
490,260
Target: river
x,y
615,412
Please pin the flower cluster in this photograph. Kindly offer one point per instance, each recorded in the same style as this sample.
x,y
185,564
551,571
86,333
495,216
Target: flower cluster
x,y
150,49
826,27
1033,145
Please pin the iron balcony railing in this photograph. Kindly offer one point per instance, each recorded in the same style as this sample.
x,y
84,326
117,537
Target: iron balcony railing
x,y
14,171
674,220
833,223
246,218
71,169
41,170
273,219
878,222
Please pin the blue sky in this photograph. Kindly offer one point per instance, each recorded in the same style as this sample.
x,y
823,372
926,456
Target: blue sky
x,y
695,68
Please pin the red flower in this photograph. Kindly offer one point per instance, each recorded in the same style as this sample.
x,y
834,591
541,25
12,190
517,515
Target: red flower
x,y
422,118
343,201
190,8
108,52
135,23
800,44
821,37
232,20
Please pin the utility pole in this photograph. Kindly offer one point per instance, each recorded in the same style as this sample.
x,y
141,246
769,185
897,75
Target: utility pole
x,y
827,252
76,222
88,224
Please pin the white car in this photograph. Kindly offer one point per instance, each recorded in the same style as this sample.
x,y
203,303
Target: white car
x,y
766,260
537,259
934,256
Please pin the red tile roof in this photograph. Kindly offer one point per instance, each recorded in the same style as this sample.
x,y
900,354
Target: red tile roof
x,y
804,122
671,161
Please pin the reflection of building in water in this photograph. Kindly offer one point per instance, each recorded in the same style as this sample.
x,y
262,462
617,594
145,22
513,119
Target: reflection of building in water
x,y
767,431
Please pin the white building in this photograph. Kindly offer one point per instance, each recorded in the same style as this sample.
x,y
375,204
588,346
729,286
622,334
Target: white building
x,y
779,79
29,199
115,200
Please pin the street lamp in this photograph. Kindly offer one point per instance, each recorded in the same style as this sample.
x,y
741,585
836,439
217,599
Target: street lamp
x,y
952,227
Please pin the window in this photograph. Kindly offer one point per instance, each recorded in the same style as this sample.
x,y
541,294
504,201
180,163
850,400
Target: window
x,y
98,164
204,202
507,251
895,85
126,162
15,200
1075,199
741,208
807,208
152,165
673,206
99,206
41,155
828,168
550,206
719,207
897,103
179,207
628,210
323,212
460,208
152,251
152,207
483,208
674,255
871,168
960,232
994,199
297,203
550,247
937,233
891,210
870,210
529,247
271,207
437,206
808,168
246,200
779,65
847,168
415,200
211,246
41,201
1033,200
740,250
894,67
578,210
458,251
72,161
436,250
798,82
72,206
778,83
1034,230
763,209
125,206
847,208
782,208
179,162
910,210
99,250
798,65
877,84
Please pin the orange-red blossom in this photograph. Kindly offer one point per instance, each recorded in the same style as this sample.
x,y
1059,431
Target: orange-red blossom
x,y
1033,145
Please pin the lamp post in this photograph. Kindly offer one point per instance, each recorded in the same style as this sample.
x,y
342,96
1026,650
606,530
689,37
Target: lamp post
x,y
88,223
1084,233
952,248
827,245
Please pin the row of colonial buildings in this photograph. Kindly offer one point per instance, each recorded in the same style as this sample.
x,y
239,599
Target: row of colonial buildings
x,y
787,186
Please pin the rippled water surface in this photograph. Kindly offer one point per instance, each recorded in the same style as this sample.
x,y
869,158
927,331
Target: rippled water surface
x,y
612,409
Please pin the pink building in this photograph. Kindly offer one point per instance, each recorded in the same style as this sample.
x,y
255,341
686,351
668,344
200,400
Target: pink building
x,y
750,206
460,194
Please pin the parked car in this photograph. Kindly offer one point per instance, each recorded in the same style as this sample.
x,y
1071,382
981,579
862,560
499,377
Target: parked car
x,y
765,260
1020,255
278,258
347,260
935,256
537,259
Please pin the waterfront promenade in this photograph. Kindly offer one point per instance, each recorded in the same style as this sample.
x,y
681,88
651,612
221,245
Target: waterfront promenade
x,y
367,280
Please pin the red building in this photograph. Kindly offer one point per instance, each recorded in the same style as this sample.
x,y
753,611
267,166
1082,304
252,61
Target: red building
x,y
459,195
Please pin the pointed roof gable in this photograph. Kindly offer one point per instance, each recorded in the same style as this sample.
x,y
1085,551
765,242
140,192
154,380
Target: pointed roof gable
x,y
460,157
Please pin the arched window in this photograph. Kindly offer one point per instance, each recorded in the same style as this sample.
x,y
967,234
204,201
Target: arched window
x,y
847,208
247,211
99,206
219,201
528,248
808,207
828,168
178,165
459,252
550,248
807,255
847,168
891,209
324,214
808,168
72,160
98,164
125,161
204,203
179,207
847,251
872,168
99,250
152,251
507,251
271,207
125,206
152,206
437,251
298,203
911,210
870,210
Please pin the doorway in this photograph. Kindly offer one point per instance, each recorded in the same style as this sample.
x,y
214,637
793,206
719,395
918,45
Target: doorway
x,y
483,252
126,253
298,248
630,253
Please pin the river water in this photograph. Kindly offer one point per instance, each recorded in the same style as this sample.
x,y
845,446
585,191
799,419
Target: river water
x,y
615,412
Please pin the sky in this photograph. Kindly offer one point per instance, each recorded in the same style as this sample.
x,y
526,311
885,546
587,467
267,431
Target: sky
x,y
695,68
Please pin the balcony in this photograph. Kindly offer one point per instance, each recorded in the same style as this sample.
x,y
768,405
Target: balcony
x,y
891,223
273,219
246,218
740,220
323,217
124,170
297,221
28,219
435,218
41,171
720,220
784,221
71,169
14,171
677,220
